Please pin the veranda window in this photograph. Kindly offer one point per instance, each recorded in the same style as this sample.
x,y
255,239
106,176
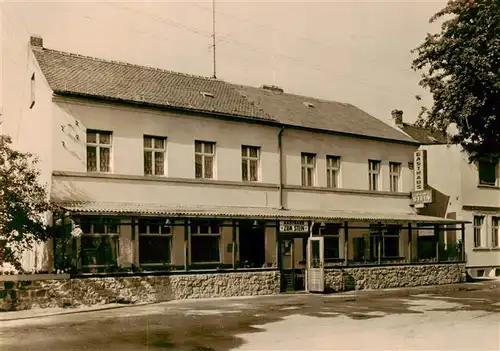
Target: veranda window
x,y
155,242
205,241
99,241
331,234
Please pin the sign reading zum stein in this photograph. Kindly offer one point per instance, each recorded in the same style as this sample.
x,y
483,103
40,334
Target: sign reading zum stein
x,y
421,197
294,227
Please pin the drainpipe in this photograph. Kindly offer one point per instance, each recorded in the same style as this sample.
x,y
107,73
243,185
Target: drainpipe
x,y
280,152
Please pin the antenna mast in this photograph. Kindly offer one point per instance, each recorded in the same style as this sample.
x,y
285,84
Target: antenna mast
x,y
213,36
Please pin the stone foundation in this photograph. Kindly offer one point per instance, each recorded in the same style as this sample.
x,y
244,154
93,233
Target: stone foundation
x,y
18,295
359,278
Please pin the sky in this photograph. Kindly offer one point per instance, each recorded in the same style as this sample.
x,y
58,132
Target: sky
x,y
349,51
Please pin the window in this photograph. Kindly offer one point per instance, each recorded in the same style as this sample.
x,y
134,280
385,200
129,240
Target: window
x,y
332,171
204,159
394,174
411,167
488,173
478,230
331,234
390,239
308,169
32,88
155,241
154,155
373,174
99,241
495,231
98,151
205,241
250,163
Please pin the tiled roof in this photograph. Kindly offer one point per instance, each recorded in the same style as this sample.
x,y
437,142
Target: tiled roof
x,y
302,111
90,77
103,208
423,135
87,76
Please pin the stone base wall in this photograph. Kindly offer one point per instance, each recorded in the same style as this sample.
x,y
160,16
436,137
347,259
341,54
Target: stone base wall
x,y
343,279
18,295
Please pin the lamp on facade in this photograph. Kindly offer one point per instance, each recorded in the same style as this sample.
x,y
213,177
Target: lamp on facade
x,y
168,222
256,224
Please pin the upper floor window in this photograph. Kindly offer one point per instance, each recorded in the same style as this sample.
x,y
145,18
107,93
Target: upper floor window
x,y
308,169
495,231
478,230
204,159
395,175
488,173
332,171
373,174
154,155
98,151
250,156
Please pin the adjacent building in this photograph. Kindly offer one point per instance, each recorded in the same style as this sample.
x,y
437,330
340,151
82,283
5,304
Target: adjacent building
x,y
463,190
157,171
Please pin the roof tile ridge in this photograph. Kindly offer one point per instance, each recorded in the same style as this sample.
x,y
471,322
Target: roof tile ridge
x,y
124,63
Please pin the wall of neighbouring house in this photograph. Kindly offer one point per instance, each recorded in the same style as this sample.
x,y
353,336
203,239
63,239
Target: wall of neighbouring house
x,y
28,124
450,172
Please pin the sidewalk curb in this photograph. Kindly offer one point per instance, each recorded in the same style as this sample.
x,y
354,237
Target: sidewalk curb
x,y
354,294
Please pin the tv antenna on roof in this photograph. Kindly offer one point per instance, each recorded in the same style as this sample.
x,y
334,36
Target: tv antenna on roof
x,y
213,37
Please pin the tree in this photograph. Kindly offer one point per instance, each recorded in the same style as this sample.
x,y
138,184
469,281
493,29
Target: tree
x,y
462,71
23,202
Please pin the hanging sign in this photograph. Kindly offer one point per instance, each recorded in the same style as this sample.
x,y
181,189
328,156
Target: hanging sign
x,y
420,169
294,227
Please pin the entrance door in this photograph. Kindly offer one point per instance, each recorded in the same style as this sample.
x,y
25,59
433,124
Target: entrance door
x,y
293,263
315,265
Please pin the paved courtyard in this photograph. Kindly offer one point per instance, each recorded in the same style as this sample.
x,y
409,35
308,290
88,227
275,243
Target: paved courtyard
x,y
466,317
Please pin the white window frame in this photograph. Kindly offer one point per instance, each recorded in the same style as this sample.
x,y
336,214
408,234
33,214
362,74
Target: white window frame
x,y
497,174
495,231
333,166
98,145
246,158
478,230
155,150
306,167
203,154
395,176
374,167
161,234
198,234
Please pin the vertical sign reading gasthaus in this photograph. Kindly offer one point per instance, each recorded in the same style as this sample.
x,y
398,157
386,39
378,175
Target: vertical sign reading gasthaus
x,y
420,170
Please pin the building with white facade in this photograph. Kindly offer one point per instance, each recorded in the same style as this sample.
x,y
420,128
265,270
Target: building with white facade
x,y
157,171
466,191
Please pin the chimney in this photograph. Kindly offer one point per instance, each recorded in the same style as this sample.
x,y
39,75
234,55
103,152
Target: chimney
x,y
36,42
397,116
272,88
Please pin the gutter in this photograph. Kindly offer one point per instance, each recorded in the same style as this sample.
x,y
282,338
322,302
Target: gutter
x,y
280,153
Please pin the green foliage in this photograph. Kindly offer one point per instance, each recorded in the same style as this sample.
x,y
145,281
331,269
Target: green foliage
x,y
23,201
461,67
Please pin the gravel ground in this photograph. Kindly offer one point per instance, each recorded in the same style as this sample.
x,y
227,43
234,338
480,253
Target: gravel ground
x,y
466,317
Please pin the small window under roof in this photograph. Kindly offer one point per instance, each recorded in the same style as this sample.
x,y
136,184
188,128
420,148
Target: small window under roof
x,y
308,104
206,94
